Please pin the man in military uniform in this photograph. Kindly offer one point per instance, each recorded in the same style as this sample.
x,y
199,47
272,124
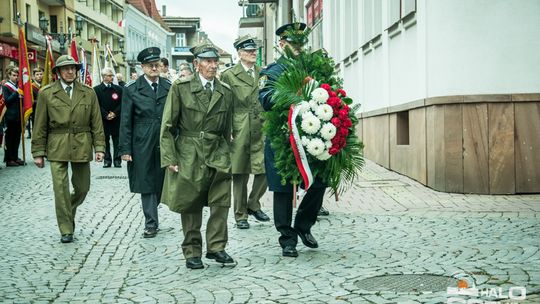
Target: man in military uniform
x,y
142,109
247,154
67,128
195,137
306,214
110,102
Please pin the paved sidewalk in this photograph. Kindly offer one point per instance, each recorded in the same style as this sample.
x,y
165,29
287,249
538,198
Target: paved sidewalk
x,y
380,233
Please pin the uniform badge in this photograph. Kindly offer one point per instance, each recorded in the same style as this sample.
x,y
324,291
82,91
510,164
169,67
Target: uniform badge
x,y
114,96
262,81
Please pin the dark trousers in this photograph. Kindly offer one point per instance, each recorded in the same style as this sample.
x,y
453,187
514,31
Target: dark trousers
x,y
306,215
13,140
108,156
150,202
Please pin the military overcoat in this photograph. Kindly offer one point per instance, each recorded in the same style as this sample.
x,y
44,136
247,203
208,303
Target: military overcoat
x,y
67,129
195,136
247,154
141,114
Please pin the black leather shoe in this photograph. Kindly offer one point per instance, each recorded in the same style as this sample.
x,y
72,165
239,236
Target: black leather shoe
x,y
150,233
323,212
107,165
289,251
66,238
259,215
308,240
118,164
20,162
242,224
220,257
12,163
194,263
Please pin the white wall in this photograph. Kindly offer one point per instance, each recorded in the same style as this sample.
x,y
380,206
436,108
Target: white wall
x,y
483,47
454,47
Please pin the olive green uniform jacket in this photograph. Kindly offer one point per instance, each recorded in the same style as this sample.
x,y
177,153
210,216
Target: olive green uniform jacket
x,y
247,149
67,129
195,136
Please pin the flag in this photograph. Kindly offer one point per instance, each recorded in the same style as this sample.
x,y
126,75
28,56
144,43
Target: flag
x,y
25,85
2,109
73,50
48,77
85,75
122,23
96,70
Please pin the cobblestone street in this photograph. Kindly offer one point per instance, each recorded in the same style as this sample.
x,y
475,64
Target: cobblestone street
x,y
387,224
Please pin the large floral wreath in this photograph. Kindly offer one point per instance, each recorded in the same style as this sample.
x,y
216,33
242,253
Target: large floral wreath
x,y
312,113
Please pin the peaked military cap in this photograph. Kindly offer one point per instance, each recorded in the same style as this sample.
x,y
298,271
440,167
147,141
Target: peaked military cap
x,y
205,50
66,60
284,30
149,54
245,42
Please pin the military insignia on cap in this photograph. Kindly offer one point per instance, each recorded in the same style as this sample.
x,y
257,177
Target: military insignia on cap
x,y
262,81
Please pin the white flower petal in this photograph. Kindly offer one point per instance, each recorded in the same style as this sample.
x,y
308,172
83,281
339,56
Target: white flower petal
x,y
310,124
316,147
320,95
324,112
324,155
328,131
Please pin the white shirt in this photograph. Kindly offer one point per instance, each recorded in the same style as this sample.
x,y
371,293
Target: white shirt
x,y
248,69
204,81
150,81
65,85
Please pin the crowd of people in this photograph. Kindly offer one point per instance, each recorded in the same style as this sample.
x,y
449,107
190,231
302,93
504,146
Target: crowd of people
x,y
189,140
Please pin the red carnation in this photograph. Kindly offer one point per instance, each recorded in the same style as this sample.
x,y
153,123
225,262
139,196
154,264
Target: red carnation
x,y
332,94
333,151
343,132
336,122
347,123
326,86
342,92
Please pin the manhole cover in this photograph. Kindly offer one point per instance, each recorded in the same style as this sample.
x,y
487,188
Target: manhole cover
x,y
407,283
111,177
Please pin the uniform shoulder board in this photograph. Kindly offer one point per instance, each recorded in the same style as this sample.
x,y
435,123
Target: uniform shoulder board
x,y
167,80
129,83
183,80
225,85
48,86
227,68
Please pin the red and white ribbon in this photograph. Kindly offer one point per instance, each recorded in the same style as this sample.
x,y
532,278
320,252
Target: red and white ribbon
x,y
298,149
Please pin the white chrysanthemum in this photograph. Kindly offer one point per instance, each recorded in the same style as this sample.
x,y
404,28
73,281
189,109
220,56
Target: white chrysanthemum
x,y
328,144
314,105
328,131
303,107
324,155
315,147
307,114
324,112
305,141
320,95
310,124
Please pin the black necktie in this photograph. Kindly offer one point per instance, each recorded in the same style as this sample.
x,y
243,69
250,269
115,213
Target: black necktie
x,y
154,85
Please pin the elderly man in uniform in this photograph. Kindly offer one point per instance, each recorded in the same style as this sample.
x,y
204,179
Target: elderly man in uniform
x,y
306,215
247,154
110,101
67,128
142,108
195,138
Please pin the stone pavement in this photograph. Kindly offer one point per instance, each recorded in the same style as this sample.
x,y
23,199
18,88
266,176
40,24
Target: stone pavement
x,y
385,229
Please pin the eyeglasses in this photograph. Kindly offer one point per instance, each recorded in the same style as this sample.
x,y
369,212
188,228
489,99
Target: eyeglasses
x,y
109,75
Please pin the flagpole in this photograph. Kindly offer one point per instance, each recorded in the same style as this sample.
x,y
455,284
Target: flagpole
x,y
21,114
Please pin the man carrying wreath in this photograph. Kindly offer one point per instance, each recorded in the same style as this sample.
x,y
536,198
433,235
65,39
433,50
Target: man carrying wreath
x,y
306,214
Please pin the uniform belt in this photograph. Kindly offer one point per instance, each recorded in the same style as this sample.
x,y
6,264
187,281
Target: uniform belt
x,y
199,134
72,130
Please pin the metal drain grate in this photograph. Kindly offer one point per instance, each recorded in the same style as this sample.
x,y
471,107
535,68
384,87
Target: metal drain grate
x,y
407,283
111,177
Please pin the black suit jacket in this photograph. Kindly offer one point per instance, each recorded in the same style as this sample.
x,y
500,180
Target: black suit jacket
x,y
110,100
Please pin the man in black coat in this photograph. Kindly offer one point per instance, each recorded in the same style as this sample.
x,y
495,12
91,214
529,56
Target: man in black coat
x,y
142,109
306,214
110,102
12,118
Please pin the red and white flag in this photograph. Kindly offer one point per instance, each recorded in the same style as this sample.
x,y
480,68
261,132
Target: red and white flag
x,y
298,149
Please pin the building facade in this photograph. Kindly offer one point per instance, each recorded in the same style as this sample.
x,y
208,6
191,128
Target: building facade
x,y
449,89
144,28
186,34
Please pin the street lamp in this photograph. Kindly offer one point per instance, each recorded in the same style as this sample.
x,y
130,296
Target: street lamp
x,y
61,37
78,25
